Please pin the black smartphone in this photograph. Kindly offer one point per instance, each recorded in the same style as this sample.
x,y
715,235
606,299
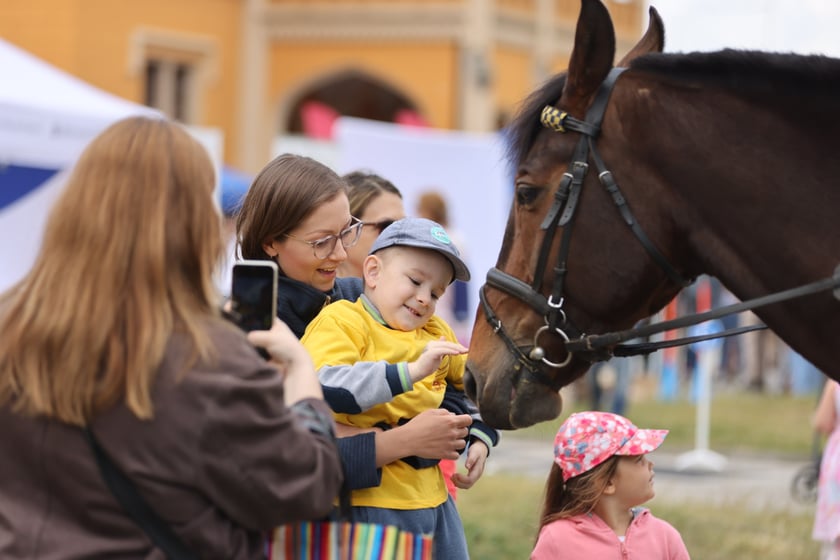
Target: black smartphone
x,y
253,294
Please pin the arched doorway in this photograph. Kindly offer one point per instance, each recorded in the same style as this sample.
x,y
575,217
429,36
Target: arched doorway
x,y
352,94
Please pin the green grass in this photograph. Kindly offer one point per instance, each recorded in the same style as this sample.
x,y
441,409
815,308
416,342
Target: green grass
x,y
500,516
746,422
500,512
712,533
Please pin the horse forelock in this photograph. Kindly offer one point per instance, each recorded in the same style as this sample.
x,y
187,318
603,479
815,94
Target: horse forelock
x,y
526,124
520,136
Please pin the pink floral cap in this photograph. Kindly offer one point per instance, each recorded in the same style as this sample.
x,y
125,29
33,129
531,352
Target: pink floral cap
x,y
587,439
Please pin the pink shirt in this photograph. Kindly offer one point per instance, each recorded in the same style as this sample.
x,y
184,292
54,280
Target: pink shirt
x,y
587,537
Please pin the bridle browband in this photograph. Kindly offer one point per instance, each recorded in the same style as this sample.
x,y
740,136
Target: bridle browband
x,y
562,213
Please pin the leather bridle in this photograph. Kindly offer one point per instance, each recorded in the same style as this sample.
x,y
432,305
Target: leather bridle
x,y
562,214
600,347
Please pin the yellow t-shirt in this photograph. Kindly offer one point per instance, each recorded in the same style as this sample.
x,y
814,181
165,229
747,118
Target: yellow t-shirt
x,y
345,333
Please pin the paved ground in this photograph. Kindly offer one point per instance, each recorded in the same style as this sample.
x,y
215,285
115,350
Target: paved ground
x,y
759,482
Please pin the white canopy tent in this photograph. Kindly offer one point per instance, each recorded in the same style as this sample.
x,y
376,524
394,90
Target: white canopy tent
x,y
47,117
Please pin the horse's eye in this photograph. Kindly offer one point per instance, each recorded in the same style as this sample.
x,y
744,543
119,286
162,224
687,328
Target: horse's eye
x,y
527,194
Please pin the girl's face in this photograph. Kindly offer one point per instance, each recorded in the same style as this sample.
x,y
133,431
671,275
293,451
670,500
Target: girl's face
x,y
297,258
633,480
380,212
405,283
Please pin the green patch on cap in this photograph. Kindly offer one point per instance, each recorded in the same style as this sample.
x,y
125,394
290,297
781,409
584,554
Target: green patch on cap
x,y
440,234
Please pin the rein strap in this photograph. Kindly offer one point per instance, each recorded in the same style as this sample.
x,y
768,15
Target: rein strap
x,y
596,341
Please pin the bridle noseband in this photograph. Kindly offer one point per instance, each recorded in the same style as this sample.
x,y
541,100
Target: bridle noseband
x,y
562,213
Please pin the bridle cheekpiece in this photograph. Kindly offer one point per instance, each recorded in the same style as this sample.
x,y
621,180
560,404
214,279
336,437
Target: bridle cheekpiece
x,y
562,214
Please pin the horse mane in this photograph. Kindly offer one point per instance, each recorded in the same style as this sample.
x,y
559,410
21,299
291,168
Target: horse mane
x,y
749,73
773,79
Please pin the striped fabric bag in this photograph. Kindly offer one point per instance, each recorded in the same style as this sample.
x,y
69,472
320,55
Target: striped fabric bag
x,y
336,540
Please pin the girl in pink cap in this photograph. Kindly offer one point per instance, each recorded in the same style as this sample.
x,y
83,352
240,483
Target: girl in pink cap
x,y
599,478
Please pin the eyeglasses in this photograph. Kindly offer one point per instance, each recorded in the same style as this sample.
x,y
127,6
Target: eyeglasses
x,y
380,225
323,248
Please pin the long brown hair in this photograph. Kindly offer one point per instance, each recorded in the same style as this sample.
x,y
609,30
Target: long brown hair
x,y
287,190
127,258
578,495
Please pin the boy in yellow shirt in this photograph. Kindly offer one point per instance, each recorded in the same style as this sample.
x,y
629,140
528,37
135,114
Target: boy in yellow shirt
x,y
387,357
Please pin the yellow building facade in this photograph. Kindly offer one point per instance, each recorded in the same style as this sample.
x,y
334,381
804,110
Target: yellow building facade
x,y
247,67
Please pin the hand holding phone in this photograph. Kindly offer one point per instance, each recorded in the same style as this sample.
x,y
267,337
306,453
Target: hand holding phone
x,y
282,345
254,295
289,355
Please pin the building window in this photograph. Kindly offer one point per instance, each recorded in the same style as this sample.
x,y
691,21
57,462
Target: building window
x,y
173,71
169,87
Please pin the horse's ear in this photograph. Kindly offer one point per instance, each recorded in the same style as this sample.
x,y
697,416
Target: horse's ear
x,y
653,41
592,56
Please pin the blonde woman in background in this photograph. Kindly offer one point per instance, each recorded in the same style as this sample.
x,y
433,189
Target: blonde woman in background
x,y
115,334
377,203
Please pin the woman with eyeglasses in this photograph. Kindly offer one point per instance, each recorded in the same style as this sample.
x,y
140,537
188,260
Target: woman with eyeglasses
x,y
378,204
297,214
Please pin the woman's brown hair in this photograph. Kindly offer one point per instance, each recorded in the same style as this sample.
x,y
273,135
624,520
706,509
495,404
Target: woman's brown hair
x,y
127,258
364,187
578,495
283,194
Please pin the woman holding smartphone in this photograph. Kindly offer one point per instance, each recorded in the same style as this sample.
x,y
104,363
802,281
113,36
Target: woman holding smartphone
x,y
114,358
297,214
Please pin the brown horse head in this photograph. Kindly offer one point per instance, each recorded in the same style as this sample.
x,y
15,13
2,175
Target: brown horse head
x,y
631,181
518,360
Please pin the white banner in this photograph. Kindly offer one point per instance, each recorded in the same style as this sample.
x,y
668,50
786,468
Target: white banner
x,y
469,170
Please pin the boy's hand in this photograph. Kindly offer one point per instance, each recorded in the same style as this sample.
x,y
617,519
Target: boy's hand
x,y
429,360
476,457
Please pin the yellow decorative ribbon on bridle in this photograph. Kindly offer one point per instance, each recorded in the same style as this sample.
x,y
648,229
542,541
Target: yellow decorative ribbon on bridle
x,y
553,118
